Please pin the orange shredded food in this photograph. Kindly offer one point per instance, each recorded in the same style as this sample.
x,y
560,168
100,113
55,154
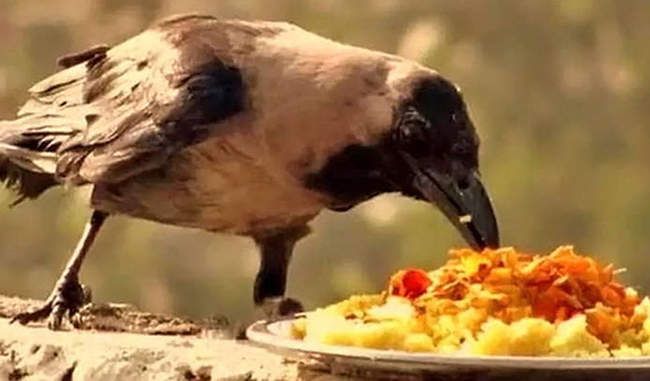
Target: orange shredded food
x,y
510,285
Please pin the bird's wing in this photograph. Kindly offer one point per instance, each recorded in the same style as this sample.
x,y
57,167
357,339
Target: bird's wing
x,y
118,112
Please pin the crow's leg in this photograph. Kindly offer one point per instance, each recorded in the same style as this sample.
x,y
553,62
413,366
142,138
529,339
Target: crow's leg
x,y
68,294
276,248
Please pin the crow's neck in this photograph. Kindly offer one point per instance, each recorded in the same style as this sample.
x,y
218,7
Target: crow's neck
x,y
350,177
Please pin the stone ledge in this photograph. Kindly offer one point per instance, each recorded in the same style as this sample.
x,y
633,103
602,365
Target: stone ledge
x,y
118,342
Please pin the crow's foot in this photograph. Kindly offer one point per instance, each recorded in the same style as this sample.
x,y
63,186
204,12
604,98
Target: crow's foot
x,y
279,308
67,297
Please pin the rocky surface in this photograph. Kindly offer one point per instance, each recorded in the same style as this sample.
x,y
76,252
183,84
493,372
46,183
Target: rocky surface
x,y
117,342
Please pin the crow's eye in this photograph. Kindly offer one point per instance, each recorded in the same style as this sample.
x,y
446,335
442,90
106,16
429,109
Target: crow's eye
x,y
413,133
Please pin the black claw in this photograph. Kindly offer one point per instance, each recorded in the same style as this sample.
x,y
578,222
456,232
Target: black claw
x,y
36,315
56,317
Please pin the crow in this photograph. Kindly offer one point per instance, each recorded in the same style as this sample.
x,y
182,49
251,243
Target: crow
x,y
244,127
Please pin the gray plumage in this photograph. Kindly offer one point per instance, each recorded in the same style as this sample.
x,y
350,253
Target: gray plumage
x,y
122,120
245,127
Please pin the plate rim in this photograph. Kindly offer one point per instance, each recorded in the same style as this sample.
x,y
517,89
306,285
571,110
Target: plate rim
x,y
260,333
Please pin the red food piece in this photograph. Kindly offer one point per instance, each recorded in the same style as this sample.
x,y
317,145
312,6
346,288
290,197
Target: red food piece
x,y
409,283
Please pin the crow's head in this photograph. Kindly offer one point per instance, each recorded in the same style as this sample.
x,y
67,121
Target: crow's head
x,y
429,153
433,156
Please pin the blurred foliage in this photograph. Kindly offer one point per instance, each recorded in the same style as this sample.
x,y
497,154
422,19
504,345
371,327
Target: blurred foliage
x,y
560,92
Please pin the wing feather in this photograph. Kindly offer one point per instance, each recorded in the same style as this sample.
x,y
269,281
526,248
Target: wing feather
x,y
115,113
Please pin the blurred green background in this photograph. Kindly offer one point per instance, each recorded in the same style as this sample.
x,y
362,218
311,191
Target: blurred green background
x,y
560,92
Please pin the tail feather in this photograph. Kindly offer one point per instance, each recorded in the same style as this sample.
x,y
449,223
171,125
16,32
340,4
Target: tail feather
x,y
26,172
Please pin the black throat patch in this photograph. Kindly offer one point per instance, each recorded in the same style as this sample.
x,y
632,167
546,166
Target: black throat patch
x,y
350,177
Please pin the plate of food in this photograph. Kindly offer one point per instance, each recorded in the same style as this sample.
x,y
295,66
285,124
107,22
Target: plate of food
x,y
497,309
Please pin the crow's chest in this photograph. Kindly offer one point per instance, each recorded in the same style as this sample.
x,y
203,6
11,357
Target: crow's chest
x,y
209,188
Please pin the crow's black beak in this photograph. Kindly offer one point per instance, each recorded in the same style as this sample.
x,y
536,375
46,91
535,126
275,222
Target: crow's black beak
x,y
467,204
